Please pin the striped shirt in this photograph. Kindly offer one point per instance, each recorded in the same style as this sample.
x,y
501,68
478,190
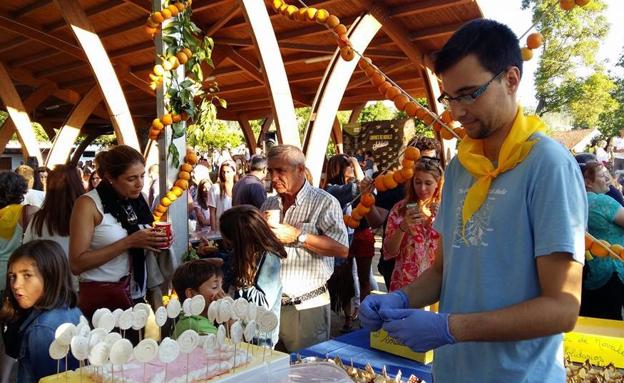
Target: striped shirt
x,y
314,212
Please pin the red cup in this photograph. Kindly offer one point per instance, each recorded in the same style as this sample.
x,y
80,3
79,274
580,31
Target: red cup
x,y
164,227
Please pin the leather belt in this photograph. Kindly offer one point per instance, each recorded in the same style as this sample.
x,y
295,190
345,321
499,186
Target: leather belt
x,y
287,301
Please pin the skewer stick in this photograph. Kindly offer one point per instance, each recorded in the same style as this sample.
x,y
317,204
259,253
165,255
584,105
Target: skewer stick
x,y
612,253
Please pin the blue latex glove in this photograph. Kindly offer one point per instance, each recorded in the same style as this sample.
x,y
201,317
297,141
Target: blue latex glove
x,y
418,329
370,306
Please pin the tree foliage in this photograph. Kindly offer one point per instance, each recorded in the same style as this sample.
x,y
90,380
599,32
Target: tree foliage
x,y
569,78
209,132
612,121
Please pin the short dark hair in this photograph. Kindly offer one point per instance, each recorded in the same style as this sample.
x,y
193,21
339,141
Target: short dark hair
x,y
52,264
192,274
258,162
427,143
494,44
13,187
117,160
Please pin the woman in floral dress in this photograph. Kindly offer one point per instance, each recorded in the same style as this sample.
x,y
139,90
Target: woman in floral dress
x,y
410,237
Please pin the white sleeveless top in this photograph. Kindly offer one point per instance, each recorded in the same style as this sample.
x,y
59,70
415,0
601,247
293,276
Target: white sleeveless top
x,y
107,232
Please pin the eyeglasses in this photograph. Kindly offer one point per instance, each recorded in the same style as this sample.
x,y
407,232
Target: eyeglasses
x,y
467,99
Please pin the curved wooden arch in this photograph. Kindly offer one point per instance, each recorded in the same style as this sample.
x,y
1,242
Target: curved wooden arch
x,y
65,139
331,91
19,116
102,69
273,69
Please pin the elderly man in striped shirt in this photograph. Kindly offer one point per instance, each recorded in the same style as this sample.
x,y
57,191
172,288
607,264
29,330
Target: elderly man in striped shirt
x,y
313,233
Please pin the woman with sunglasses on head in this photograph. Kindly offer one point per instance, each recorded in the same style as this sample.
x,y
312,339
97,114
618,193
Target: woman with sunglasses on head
x,y
110,233
410,237
220,196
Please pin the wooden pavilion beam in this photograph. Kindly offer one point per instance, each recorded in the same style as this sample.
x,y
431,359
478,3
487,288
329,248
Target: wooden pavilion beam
x,y
330,93
139,4
31,8
102,69
250,140
66,137
107,6
233,11
383,53
394,29
244,64
52,41
34,100
19,116
256,14
420,7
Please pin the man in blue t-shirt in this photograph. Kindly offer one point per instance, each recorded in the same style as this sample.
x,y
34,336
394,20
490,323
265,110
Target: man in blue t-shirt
x,y
509,264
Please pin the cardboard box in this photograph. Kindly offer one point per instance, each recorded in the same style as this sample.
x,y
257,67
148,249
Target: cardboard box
x,y
599,340
380,340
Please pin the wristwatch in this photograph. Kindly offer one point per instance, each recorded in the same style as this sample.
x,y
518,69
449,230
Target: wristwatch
x,y
302,238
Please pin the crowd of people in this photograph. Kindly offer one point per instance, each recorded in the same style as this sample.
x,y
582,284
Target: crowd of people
x,y
497,238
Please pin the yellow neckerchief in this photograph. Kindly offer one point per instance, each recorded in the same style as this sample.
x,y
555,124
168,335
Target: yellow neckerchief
x,y
9,215
514,150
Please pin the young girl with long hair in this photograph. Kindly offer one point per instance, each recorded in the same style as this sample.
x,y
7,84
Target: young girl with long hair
x,y
255,259
410,237
39,298
220,197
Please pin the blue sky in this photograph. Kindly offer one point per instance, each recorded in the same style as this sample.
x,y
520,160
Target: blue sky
x,y
510,13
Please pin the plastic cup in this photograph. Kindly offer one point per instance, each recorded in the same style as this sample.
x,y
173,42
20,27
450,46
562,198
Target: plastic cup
x,y
164,227
273,217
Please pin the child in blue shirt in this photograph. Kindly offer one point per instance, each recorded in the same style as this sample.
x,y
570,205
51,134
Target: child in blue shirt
x,y
39,297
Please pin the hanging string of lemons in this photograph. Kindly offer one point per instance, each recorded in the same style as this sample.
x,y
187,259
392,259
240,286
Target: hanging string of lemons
x,y
388,179
155,19
600,248
179,187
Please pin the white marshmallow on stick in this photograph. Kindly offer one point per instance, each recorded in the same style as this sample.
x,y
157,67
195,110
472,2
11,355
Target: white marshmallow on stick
x,y
160,316
121,351
146,350
188,341
173,308
186,307
168,350
198,304
241,308
80,347
58,351
99,354
213,311
64,333
125,320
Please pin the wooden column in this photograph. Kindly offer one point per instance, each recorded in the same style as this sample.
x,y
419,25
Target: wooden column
x,y
19,116
336,136
82,147
250,140
331,91
65,139
102,69
266,124
36,98
274,72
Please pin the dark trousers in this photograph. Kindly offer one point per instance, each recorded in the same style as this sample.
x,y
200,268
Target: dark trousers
x,y
604,302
